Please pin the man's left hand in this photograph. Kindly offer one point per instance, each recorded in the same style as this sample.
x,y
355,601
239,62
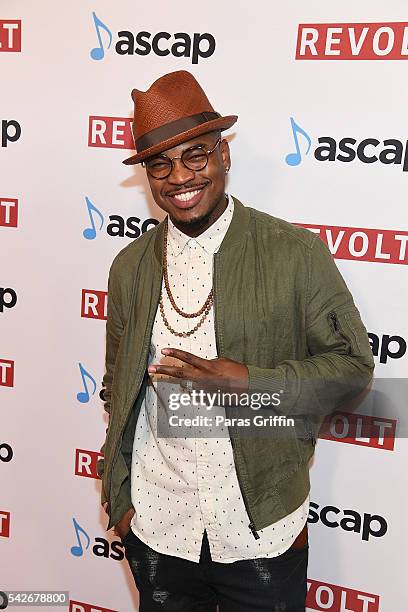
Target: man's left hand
x,y
207,373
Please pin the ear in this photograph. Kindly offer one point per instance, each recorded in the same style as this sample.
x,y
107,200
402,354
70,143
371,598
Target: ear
x,y
225,154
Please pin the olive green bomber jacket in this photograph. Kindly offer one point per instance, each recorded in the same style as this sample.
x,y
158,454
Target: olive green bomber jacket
x,y
282,308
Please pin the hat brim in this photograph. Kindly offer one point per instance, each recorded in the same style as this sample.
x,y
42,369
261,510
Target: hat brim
x,y
222,123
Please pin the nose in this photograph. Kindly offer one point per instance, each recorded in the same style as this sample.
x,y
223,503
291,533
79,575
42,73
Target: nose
x,y
179,174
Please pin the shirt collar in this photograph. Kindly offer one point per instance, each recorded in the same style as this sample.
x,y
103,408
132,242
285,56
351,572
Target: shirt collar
x,y
210,240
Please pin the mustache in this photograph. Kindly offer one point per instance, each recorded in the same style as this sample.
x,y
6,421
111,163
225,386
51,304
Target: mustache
x,y
185,188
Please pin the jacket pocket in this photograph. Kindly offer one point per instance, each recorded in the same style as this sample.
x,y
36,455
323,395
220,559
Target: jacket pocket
x,y
347,326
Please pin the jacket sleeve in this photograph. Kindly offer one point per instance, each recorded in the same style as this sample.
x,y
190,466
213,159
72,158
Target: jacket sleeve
x,y
114,330
339,363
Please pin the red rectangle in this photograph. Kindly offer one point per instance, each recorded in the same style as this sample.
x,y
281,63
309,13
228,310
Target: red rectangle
x,y
352,41
362,243
80,606
10,35
94,304
360,429
326,597
110,132
8,212
86,462
6,373
4,524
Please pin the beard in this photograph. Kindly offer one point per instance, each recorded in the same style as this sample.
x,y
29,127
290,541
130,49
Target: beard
x,y
202,222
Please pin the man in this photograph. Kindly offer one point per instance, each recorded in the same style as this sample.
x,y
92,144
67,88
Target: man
x,y
217,293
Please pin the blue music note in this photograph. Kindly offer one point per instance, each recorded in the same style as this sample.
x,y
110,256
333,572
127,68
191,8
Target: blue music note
x,y
98,53
78,551
90,232
294,159
83,396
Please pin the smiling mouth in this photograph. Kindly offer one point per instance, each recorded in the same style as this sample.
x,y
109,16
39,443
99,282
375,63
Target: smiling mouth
x,y
187,197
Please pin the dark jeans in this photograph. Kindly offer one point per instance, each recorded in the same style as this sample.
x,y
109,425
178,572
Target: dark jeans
x,y
168,583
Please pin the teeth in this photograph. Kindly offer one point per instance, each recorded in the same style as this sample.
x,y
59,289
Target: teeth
x,y
185,197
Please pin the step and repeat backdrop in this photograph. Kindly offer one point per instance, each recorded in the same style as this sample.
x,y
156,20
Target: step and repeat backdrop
x,y
321,141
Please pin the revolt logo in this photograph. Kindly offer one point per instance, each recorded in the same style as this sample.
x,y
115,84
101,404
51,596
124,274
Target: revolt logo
x,y
335,598
4,524
10,35
132,227
94,304
86,462
348,149
8,212
363,243
110,132
6,373
352,41
81,606
193,46
360,429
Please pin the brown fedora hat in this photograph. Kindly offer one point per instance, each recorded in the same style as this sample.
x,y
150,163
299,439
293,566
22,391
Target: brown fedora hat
x,y
173,110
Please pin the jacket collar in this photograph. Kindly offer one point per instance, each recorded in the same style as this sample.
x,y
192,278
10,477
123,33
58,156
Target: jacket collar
x,y
237,228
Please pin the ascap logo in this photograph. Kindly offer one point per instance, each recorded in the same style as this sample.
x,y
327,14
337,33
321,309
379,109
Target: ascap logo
x,y
132,227
180,45
8,298
10,131
352,41
366,525
387,347
100,547
368,151
6,452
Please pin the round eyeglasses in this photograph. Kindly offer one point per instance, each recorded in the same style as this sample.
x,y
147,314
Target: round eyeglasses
x,y
194,158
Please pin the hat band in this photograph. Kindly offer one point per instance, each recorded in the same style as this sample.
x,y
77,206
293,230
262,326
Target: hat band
x,y
168,130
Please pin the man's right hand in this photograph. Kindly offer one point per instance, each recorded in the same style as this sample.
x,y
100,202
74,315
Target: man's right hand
x,y
123,527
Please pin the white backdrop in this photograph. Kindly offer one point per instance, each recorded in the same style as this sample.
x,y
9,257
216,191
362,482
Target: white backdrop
x,y
50,333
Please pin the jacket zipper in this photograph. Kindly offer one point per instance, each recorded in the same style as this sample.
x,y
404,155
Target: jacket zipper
x,y
333,317
337,328
251,524
311,434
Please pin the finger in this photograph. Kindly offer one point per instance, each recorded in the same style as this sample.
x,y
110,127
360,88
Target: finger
x,y
194,360
175,371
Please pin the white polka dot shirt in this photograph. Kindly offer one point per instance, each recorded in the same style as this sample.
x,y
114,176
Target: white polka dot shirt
x,y
181,486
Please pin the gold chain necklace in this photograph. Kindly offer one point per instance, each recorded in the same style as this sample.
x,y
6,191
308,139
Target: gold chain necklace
x,y
205,309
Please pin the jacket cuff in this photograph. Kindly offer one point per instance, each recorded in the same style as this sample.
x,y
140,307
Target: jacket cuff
x,y
261,380
121,505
